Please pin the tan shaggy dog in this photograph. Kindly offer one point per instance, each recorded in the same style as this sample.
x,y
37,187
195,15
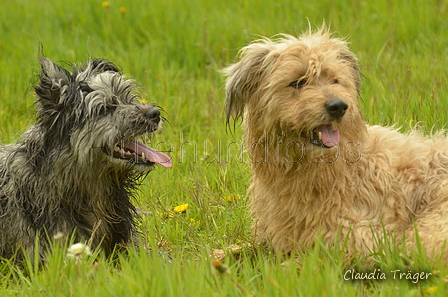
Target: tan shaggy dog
x,y
317,168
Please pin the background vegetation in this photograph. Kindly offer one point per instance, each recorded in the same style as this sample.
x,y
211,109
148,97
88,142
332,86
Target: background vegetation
x,y
175,50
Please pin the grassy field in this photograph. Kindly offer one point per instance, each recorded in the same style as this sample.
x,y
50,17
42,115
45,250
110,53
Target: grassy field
x,y
175,50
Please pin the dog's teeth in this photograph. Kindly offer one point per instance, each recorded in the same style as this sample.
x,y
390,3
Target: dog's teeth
x,y
143,156
116,148
320,135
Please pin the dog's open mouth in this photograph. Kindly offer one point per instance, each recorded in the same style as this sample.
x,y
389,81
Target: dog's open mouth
x,y
140,153
325,136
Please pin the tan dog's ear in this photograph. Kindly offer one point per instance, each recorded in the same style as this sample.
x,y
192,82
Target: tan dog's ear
x,y
243,78
350,58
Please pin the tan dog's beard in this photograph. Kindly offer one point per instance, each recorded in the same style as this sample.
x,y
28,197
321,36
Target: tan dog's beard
x,y
289,148
297,149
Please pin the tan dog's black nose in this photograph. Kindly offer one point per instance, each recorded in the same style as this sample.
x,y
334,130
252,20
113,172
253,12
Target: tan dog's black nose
x,y
336,108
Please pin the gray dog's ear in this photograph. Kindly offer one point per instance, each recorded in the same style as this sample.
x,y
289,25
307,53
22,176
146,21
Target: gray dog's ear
x,y
244,77
53,79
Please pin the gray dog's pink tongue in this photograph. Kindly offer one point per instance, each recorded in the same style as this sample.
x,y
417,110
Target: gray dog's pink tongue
x,y
330,136
151,154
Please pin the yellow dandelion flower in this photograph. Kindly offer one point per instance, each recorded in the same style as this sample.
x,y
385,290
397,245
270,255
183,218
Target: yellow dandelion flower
x,y
144,101
105,4
195,222
233,197
181,208
122,10
167,215
228,198
431,290
220,267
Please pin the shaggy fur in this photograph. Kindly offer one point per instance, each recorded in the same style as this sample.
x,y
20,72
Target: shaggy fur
x,y
76,168
349,181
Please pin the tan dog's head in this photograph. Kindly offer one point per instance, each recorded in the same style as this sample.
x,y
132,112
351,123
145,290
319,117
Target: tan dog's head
x,y
306,87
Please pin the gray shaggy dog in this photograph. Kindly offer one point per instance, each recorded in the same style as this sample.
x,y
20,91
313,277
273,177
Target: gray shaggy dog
x,y
75,170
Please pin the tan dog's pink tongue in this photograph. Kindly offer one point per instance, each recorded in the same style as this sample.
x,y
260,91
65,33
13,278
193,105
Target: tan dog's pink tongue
x,y
330,136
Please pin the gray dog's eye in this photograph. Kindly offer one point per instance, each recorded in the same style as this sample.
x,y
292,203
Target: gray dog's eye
x,y
298,84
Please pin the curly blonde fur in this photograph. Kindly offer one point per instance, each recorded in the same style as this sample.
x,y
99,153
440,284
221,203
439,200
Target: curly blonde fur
x,y
317,168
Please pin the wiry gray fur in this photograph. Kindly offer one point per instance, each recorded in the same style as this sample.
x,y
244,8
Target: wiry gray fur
x,y
62,176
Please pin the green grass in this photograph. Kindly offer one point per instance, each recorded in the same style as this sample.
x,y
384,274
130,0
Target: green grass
x,y
175,50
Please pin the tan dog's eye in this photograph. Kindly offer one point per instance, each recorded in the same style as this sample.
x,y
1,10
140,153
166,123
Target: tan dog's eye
x,y
335,81
298,84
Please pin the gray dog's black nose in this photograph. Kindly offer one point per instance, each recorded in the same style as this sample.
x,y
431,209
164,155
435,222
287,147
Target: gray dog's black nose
x,y
336,107
153,114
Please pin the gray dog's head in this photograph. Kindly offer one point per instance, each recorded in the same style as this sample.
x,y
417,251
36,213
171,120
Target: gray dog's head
x,y
93,115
